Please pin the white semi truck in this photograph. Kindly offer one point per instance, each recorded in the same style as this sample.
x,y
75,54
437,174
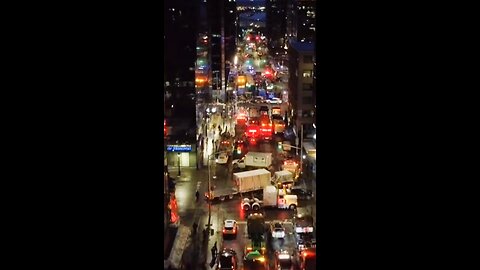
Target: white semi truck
x,y
272,197
245,182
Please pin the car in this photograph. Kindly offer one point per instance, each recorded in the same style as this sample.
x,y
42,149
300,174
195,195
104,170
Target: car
x,y
222,158
230,228
239,163
274,101
308,259
305,241
277,230
276,116
227,259
255,260
259,99
225,145
253,121
301,193
283,260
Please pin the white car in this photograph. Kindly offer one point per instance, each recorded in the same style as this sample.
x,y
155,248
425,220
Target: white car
x,y
275,101
222,158
239,163
230,228
277,230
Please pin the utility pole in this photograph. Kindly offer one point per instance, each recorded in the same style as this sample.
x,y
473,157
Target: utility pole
x,y
209,195
179,173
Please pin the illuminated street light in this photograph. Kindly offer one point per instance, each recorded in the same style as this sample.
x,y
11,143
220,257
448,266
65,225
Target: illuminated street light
x,y
235,60
304,156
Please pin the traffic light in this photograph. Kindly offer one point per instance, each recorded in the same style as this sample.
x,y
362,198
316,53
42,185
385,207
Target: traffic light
x,y
280,145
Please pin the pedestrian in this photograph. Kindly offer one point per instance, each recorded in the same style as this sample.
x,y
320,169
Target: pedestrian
x,y
195,226
214,250
213,253
197,194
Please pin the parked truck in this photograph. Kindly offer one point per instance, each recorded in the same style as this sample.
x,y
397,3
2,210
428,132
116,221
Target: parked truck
x,y
272,197
292,166
259,160
283,179
245,182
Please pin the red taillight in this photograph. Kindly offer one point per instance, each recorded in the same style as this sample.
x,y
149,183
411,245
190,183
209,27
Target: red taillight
x,y
224,230
234,230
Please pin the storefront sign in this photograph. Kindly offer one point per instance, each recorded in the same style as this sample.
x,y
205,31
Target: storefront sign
x,y
179,148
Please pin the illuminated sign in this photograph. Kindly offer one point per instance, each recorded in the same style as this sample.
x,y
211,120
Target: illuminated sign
x,y
179,148
304,229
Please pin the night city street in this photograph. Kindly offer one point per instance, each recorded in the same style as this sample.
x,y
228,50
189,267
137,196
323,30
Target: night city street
x,y
240,135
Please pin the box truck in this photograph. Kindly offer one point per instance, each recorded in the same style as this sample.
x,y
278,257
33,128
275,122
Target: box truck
x,y
283,179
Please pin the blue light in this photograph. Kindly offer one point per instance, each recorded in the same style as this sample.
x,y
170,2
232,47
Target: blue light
x,y
179,148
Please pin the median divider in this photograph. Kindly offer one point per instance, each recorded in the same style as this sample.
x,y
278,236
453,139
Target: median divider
x,y
174,260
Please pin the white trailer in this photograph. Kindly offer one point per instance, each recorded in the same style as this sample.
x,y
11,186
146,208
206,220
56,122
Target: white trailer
x,y
272,197
245,182
259,160
283,176
252,180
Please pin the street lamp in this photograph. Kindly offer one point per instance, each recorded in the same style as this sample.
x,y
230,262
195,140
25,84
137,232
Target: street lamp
x,y
178,155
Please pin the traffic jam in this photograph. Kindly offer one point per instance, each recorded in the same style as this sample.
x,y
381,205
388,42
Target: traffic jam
x,y
274,229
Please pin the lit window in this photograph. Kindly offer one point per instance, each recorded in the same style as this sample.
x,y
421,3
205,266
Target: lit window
x,y
307,74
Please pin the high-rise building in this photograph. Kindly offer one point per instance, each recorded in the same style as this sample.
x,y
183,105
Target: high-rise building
x,y
276,24
301,82
179,66
301,20
221,16
231,28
